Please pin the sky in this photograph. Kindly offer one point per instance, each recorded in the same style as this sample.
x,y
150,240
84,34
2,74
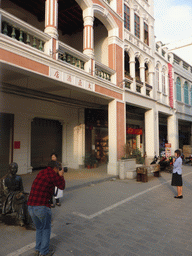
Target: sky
x,y
173,20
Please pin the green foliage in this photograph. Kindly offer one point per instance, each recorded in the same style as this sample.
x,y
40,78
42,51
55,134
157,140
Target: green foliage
x,y
90,160
137,154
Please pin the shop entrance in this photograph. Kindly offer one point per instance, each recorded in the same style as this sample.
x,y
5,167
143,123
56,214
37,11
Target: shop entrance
x,y
184,134
6,142
46,138
134,130
96,134
163,138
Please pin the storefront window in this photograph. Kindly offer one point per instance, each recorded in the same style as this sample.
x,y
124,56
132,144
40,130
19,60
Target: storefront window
x,y
133,138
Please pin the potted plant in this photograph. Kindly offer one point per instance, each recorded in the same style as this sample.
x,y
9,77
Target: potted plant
x,y
90,161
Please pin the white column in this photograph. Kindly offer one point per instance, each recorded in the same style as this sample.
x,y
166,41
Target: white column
x,y
88,40
132,67
51,18
22,134
173,132
81,137
112,134
142,29
151,135
64,144
51,24
142,77
151,82
132,20
151,38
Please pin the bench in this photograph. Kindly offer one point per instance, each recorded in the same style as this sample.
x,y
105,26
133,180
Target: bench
x,y
144,170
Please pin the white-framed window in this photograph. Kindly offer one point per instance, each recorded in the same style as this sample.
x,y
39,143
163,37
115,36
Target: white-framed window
x,y
126,17
186,93
163,82
191,95
157,77
137,26
178,88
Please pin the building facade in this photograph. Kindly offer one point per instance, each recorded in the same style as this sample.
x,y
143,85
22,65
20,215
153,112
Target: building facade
x,y
85,77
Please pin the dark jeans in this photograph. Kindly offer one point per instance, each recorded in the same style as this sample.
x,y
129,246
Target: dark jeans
x,y
41,216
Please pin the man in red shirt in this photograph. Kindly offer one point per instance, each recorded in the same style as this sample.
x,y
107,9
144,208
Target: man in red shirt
x,y
39,205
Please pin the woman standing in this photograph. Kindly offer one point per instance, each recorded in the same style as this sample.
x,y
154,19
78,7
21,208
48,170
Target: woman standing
x,y
177,174
54,158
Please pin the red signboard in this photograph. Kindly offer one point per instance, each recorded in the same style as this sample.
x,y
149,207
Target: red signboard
x,y
17,144
170,72
137,131
167,149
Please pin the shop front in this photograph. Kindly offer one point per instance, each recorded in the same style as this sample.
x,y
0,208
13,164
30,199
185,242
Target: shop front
x,y
134,130
134,138
96,134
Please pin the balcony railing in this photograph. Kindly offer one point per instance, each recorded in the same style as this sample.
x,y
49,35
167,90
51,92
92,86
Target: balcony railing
x,y
103,71
71,56
19,30
128,76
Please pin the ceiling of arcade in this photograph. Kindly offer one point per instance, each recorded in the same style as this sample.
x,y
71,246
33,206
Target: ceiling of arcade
x,y
23,83
70,13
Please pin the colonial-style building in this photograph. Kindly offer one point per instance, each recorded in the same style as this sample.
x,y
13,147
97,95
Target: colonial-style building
x,y
60,60
86,77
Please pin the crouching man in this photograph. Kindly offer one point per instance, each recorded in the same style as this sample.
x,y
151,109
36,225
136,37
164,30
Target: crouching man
x,y
39,204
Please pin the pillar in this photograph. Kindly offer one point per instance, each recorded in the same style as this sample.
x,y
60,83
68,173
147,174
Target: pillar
x,y
64,144
132,71
142,29
116,133
88,40
151,82
51,24
173,132
81,137
116,59
142,77
132,67
151,134
151,38
132,20
22,134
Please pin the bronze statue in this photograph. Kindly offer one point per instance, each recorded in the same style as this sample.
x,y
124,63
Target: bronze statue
x,y
12,194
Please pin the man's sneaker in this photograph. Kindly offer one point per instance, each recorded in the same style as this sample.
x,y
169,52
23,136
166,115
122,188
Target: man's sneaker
x,y
50,253
37,253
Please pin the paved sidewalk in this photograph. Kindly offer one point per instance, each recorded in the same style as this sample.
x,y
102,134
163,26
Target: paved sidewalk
x,y
74,178
115,218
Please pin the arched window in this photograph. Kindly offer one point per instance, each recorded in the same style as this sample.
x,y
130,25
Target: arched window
x,y
163,82
178,88
186,93
157,78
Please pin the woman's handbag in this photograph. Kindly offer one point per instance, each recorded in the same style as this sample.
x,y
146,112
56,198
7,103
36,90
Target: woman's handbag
x,y
58,193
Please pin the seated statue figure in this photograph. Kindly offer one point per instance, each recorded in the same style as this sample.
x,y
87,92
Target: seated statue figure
x,y
12,194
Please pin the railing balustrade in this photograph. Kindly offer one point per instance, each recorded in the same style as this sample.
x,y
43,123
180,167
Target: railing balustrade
x,y
103,71
71,56
19,30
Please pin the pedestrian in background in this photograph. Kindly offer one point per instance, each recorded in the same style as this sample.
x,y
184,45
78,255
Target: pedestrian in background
x,y
56,191
39,204
177,174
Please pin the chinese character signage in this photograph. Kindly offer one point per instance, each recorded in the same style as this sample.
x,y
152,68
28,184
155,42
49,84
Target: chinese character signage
x,y
71,79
